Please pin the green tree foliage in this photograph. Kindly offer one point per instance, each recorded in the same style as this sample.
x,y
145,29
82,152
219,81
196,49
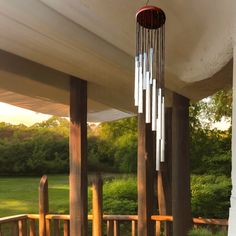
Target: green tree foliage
x,y
44,147
36,150
210,196
210,148
100,155
210,152
221,105
120,196
120,138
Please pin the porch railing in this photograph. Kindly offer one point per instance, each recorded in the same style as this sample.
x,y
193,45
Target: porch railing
x,y
45,224
25,225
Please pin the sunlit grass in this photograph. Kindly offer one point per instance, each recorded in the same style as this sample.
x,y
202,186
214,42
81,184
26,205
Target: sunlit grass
x,y
20,195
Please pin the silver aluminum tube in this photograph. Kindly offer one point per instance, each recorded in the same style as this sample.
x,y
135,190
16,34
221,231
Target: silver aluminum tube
x,y
159,115
140,89
154,105
159,130
144,70
158,148
150,64
136,81
148,102
163,130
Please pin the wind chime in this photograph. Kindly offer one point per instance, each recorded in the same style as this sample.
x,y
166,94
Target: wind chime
x,y
149,72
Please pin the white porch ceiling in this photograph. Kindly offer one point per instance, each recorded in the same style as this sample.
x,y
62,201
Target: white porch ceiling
x,y
95,39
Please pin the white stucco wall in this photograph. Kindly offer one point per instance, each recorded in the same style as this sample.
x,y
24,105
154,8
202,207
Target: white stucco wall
x,y
232,212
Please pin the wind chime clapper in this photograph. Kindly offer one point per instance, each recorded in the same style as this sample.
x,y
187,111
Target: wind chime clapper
x,y
149,72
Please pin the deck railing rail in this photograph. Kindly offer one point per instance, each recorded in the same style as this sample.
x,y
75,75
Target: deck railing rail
x,y
25,225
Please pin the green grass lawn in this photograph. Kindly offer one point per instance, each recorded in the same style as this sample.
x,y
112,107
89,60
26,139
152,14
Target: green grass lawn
x,y
20,195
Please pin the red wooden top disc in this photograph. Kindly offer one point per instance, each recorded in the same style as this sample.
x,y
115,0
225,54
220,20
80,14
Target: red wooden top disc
x,y
150,17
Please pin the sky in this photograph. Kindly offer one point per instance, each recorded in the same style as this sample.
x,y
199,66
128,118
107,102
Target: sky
x,y
15,115
223,125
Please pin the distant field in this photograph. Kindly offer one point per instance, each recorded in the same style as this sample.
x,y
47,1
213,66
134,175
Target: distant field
x,y
20,195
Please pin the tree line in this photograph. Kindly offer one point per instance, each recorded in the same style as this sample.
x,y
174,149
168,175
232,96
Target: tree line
x,y
44,147
112,146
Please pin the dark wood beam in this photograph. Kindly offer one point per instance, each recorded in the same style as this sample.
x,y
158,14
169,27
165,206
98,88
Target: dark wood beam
x,y
146,175
78,158
181,204
164,178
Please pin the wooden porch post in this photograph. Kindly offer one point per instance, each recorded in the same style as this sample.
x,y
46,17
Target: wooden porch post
x,y
97,206
164,179
146,175
78,158
181,205
43,204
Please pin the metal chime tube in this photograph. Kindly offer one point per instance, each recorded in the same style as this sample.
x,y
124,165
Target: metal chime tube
x,y
163,130
151,62
140,89
148,101
136,82
163,98
154,105
144,70
159,130
149,73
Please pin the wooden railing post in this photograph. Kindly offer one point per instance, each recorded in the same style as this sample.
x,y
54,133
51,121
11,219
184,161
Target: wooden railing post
x,y
66,228
32,227
56,227
48,228
116,228
134,226
43,205
15,229
97,206
22,226
110,228
158,228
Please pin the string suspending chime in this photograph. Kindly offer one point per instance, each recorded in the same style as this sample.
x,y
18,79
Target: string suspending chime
x,y
149,72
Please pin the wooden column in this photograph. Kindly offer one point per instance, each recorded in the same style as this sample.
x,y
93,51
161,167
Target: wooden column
x,y
78,158
164,179
97,206
181,204
43,205
146,175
